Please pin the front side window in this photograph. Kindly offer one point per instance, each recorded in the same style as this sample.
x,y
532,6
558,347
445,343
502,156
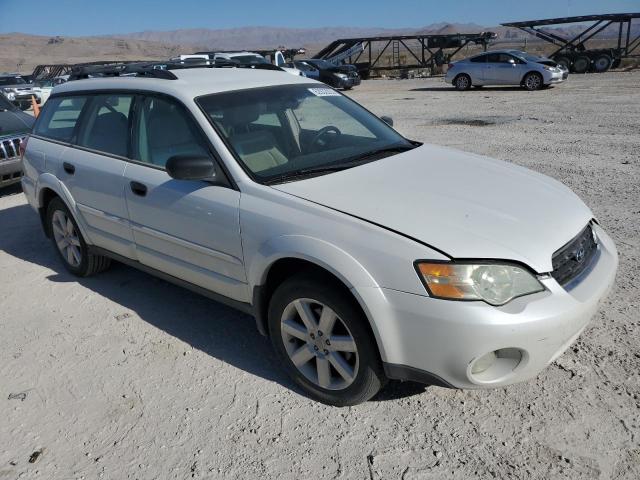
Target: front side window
x,y
106,124
59,117
289,131
165,130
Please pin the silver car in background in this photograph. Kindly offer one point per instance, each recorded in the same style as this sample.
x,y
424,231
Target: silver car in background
x,y
505,67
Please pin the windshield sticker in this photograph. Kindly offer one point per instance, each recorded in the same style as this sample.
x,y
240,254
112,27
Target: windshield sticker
x,y
324,92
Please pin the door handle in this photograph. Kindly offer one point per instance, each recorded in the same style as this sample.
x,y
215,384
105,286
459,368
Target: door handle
x,y
70,169
138,188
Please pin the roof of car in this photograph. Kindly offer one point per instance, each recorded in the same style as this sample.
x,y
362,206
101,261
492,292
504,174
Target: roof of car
x,y
190,82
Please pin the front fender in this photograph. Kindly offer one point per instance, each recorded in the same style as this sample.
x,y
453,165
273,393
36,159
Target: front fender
x,y
320,252
323,254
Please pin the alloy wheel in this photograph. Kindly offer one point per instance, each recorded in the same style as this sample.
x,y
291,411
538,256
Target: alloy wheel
x,y
533,82
319,344
462,82
66,237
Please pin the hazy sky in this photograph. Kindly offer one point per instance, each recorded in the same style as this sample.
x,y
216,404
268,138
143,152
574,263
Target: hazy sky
x,y
96,17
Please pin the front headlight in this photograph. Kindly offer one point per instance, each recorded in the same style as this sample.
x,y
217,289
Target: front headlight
x,y
495,284
10,95
342,76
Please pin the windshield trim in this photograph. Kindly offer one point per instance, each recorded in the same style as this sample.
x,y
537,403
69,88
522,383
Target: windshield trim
x,y
231,150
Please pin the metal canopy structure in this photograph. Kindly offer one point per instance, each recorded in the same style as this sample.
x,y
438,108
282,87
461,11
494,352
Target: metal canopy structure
x,y
47,72
422,51
573,53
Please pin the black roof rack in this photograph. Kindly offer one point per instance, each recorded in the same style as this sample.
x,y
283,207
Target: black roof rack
x,y
161,70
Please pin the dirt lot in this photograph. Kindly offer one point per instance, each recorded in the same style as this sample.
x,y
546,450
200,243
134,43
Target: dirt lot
x,y
125,376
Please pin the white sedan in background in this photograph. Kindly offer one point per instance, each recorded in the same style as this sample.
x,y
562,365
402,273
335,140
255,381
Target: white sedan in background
x,y
505,67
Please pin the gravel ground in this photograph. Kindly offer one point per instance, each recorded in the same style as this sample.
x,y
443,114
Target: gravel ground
x,y
125,376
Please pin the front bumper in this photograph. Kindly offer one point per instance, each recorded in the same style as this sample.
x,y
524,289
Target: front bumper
x,y
428,338
554,77
10,171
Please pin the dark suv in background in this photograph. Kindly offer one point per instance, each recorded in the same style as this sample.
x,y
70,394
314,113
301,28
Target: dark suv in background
x,y
337,76
14,126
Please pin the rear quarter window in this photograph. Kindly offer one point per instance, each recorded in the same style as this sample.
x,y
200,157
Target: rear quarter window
x,y
59,117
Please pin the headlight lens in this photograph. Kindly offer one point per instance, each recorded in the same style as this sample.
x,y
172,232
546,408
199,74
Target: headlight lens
x,y
342,76
495,284
11,96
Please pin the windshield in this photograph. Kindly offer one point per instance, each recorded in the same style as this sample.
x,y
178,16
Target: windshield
x,y
12,81
290,131
528,57
249,59
5,104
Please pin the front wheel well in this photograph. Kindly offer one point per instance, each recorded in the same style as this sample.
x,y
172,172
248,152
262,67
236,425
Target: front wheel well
x,y
283,269
530,72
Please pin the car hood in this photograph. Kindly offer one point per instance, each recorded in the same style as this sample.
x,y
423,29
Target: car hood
x,y
465,205
15,122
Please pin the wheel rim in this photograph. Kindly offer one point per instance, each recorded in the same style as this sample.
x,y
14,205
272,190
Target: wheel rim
x,y
66,237
602,63
463,82
319,344
533,82
581,65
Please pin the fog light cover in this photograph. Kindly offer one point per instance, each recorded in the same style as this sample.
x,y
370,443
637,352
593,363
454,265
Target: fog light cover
x,y
483,363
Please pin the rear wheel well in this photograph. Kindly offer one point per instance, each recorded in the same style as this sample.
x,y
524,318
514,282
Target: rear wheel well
x,y
285,268
46,196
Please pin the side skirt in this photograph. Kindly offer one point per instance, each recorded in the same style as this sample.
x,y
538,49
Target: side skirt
x,y
241,306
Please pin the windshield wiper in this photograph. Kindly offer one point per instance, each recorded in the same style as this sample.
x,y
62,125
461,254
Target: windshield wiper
x,y
347,163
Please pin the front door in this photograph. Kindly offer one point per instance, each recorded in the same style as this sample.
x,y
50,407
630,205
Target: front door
x,y
187,229
503,69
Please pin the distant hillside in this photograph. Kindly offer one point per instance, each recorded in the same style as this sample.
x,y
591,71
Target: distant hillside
x,y
20,52
258,37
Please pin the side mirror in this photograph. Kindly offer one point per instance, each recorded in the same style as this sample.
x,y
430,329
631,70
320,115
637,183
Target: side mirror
x,y
388,120
512,61
190,167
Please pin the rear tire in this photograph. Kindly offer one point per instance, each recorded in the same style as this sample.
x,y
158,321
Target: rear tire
x,y
348,367
564,61
602,63
69,243
581,64
462,82
533,81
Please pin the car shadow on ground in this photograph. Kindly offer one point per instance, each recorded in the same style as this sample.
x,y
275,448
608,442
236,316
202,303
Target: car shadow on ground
x,y
452,89
14,189
204,324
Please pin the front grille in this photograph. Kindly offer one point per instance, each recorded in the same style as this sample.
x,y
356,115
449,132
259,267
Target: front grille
x,y
572,259
10,148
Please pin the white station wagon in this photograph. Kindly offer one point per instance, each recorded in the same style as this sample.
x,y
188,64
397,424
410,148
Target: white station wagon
x,y
364,256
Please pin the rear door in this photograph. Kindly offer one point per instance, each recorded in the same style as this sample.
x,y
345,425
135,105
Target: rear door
x,y
95,130
187,229
476,68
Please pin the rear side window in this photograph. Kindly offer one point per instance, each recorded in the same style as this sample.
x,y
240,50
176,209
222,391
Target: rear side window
x,y
59,117
164,130
106,124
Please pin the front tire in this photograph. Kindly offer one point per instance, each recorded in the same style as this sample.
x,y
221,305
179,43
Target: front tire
x,y
533,81
322,339
462,82
69,243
